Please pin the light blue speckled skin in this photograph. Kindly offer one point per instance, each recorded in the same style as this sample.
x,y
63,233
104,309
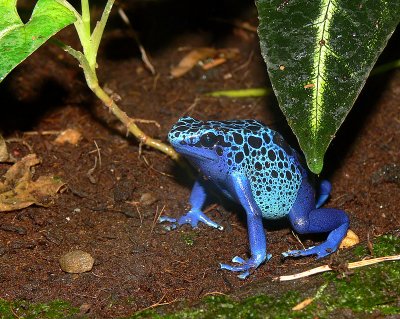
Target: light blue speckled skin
x,y
253,166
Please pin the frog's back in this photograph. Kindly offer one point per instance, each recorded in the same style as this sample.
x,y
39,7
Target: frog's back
x,y
270,164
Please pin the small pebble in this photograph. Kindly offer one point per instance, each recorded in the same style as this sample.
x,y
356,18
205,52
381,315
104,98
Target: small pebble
x,y
76,262
84,308
147,199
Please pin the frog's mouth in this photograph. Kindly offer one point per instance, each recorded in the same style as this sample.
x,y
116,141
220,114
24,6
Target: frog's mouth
x,y
190,153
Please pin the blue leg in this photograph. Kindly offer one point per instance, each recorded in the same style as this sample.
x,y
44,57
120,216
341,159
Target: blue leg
x,y
195,214
258,244
324,191
305,219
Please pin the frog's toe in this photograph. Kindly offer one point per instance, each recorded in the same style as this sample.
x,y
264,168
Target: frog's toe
x,y
193,217
244,266
163,219
172,221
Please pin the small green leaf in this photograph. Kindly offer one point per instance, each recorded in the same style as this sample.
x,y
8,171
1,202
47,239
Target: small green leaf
x,y
241,93
18,40
319,55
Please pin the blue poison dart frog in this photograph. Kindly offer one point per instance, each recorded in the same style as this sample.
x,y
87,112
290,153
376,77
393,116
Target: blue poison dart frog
x,y
253,166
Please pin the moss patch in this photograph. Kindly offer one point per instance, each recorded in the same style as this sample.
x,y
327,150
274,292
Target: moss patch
x,y
26,310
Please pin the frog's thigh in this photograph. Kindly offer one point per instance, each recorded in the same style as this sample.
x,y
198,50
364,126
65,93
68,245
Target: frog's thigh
x,y
306,219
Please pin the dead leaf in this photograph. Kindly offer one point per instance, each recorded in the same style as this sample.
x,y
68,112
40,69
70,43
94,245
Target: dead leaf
x,y
191,59
303,304
18,190
4,156
351,239
195,56
70,136
213,63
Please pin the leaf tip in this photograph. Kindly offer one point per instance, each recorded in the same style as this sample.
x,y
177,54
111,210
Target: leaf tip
x,y
315,164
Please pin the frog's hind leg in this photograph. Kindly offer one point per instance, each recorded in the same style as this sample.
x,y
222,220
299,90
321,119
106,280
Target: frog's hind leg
x,y
306,219
324,190
257,239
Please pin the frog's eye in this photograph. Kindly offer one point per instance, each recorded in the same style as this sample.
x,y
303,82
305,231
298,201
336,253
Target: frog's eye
x,y
208,139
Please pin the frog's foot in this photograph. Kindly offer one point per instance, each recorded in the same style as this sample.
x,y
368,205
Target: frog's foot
x,y
320,250
193,217
245,265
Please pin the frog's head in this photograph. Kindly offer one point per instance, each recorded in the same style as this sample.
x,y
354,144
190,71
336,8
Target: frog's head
x,y
197,140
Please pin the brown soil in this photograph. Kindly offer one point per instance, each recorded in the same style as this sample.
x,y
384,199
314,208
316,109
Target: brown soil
x,y
138,263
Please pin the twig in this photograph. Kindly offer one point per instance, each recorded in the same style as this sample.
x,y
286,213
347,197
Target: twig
x,y
98,151
298,239
14,313
51,132
156,217
159,303
145,160
191,107
145,59
245,64
138,211
324,268
91,170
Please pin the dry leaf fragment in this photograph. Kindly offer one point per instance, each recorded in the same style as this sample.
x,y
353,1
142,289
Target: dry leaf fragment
x,y
213,63
303,304
191,59
351,239
18,190
4,156
70,136
195,56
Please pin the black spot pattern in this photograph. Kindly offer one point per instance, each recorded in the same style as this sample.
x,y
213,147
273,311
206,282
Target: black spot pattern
x,y
247,147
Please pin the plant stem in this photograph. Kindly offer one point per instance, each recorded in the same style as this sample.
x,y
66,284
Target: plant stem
x,y
93,83
84,32
87,60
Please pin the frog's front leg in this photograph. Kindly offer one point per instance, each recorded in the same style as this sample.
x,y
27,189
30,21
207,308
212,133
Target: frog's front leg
x,y
195,215
307,219
258,244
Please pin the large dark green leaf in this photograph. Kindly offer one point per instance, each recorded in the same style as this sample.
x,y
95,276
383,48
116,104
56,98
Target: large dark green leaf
x,y
319,55
19,40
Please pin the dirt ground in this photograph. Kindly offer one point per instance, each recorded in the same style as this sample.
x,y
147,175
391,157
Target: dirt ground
x,y
110,211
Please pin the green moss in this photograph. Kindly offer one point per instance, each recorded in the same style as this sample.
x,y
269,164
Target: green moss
x,y
189,238
372,288
385,245
23,309
222,307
